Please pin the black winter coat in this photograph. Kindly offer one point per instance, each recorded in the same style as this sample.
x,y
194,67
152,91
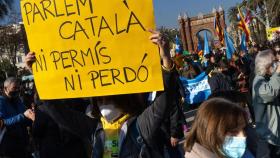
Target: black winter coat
x,y
148,123
220,82
53,141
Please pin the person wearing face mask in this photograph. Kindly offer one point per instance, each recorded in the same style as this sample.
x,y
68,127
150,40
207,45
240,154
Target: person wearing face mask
x,y
15,119
242,100
217,131
265,97
121,128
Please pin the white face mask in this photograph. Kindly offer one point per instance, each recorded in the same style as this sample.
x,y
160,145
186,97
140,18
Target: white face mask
x,y
110,112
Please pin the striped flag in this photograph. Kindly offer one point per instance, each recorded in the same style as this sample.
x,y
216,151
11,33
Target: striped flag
x,y
243,26
219,29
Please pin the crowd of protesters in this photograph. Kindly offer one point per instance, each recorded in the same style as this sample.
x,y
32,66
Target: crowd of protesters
x,y
239,120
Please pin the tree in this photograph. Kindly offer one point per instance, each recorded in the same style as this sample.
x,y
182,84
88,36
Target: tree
x,y
6,69
258,8
274,12
5,6
170,34
11,42
272,6
232,16
261,8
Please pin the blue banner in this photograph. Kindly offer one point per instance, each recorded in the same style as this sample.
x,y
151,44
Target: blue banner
x,y
206,44
197,90
229,45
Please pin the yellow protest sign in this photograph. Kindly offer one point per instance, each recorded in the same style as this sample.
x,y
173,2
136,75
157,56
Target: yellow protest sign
x,y
90,48
272,33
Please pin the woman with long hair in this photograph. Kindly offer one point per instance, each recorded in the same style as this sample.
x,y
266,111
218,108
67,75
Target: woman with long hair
x,y
218,131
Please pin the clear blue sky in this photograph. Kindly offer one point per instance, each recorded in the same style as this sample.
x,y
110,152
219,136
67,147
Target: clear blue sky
x,y
167,11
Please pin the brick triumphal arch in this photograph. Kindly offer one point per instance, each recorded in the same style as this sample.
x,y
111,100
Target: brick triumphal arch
x,y
191,26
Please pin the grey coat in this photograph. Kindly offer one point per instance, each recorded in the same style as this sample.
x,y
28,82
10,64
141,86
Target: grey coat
x,y
266,107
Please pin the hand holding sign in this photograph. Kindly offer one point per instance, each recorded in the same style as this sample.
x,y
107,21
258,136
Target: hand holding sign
x,y
158,39
29,60
90,48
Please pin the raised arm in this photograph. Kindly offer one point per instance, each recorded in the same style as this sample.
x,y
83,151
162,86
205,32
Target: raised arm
x,y
150,120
